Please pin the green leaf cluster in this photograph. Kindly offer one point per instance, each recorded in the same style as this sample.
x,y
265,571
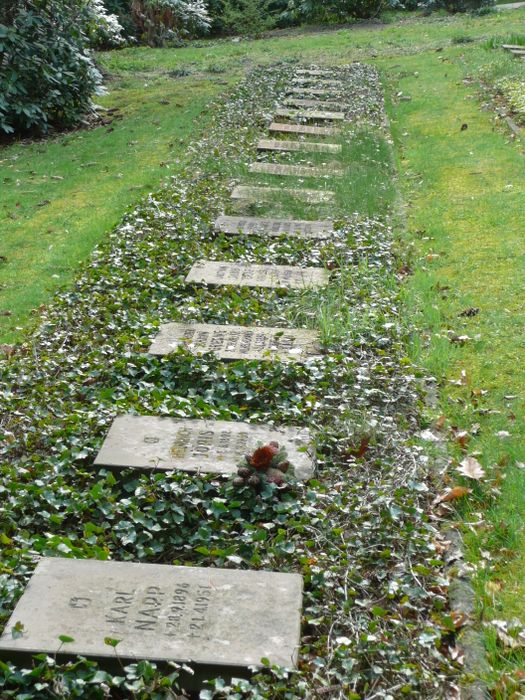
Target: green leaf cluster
x,y
47,75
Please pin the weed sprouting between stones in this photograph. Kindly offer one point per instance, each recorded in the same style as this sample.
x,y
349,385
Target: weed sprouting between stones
x,y
375,618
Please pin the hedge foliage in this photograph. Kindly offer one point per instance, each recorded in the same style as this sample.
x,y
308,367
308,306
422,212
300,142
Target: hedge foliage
x,y
47,75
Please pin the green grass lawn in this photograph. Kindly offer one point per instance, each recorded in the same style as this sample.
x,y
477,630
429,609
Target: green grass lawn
x,y
61,196
465,220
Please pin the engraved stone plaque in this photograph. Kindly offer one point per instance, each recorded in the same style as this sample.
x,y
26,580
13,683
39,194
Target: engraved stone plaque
x,y
237,342
208,618
295,170
251,225
303,129
306,146
268,194
314,71
309,114
316,104
247,275
312,91
318,82
202,446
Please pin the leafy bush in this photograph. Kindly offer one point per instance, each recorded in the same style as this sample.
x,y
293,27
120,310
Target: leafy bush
x,y
246,17
47,75
122,11
160,20
105,31
454,6
333,10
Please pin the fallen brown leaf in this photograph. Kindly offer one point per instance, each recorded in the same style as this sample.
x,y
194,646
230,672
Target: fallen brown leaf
x,y
452,494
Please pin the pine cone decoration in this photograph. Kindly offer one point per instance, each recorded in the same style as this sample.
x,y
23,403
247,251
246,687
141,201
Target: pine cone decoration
x,y
266,465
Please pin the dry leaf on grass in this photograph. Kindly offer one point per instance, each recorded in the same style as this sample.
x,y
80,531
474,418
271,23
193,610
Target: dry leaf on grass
x,y
452,494
472,468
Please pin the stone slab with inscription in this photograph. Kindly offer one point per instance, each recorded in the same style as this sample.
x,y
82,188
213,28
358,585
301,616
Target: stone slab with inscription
x,y
249,275
282,128
268,194
294,170
208,618
314,71
201,446
329,91
318,82
237,342
315,104
306,146
252,225
310,114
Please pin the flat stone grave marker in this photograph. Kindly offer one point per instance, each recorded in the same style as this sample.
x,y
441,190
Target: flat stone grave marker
x,y
318,82
249,275
309,114
251,225
294,170
230,342
316,104
306,146
314,71
279,127
270,193
311,91
201,446
208,618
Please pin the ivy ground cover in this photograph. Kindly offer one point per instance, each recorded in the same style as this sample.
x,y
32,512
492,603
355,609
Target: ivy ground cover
x,y
362,533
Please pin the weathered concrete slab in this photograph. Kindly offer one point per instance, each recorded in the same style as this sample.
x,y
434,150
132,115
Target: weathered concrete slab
x,y
249,275
251,225
201,446
312,91
512,46
263,194
208,618
301,146
237,342
319,105
509,6
317,82
312,115
278,127
294,170
318,72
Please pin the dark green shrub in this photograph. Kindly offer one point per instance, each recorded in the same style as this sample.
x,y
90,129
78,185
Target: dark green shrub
x,y
246,17
47,75
453,6
334,10
122,10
